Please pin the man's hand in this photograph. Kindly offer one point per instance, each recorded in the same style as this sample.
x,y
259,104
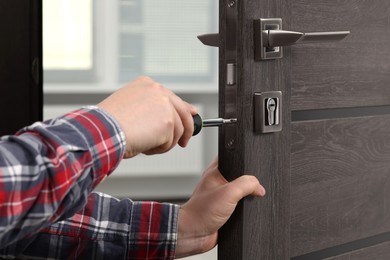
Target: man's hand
x,y
152,117
210,206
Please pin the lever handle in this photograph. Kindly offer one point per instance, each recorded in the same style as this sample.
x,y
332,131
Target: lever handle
x,y
211,39
270,38
275,38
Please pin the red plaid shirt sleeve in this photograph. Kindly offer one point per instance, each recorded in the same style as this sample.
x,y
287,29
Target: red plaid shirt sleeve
x,y
47,170
106,228
47,174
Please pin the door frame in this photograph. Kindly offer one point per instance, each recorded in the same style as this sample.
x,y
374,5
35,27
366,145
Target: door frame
x,y
259,228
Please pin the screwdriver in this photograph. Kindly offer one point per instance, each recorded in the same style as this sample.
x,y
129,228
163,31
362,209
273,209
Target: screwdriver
x,y
199,123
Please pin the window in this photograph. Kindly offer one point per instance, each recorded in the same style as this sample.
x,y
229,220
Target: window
x,y
68,39
106,43
92,47
158,38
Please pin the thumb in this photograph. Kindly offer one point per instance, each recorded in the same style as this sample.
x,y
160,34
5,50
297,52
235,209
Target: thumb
x,y
246,185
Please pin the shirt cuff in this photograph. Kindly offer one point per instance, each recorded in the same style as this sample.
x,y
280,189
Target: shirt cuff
x,y
106,138
153,230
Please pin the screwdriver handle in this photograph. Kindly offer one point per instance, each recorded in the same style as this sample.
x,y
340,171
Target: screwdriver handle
x,y
198,124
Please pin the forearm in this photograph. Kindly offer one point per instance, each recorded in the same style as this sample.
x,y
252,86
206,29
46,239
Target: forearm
x,y
107,228
47,170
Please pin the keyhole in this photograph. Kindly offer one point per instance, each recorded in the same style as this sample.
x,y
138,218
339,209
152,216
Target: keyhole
x,y
271,110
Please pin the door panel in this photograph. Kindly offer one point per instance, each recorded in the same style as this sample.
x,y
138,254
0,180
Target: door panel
x,y
327,172
339,181
381,252
354,73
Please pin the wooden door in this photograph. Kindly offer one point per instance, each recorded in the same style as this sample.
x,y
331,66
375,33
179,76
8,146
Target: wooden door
x,y
20,64
327,172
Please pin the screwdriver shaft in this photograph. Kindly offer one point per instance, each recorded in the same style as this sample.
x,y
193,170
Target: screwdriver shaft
x,y
218,121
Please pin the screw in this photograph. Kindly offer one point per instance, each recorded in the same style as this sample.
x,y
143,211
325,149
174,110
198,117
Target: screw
x,y
230,144
232,3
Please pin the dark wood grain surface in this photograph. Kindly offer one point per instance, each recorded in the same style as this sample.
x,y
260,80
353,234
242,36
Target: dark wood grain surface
x,y
340,181
259,228
327,180
352,73
377,252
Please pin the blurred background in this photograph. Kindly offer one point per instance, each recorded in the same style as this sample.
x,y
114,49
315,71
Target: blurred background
x,y
93,47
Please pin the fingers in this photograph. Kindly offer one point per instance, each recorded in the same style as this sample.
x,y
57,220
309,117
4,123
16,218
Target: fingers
x,y
171,137
178,131
244,186
151,116
183,124
241,187
185,112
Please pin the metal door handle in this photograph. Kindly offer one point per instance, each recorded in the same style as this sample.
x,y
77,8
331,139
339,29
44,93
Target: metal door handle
x,y
270,38
210,39
274,38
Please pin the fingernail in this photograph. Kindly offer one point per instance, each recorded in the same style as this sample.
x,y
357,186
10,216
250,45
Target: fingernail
x,y
262,191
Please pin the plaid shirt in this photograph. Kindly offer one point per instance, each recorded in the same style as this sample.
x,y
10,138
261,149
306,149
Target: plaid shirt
x,y
48,209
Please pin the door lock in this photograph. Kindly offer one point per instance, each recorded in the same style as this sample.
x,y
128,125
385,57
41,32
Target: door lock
x,y
272,111
268,107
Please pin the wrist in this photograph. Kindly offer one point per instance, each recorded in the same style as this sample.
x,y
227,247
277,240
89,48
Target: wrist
x,y
190,240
